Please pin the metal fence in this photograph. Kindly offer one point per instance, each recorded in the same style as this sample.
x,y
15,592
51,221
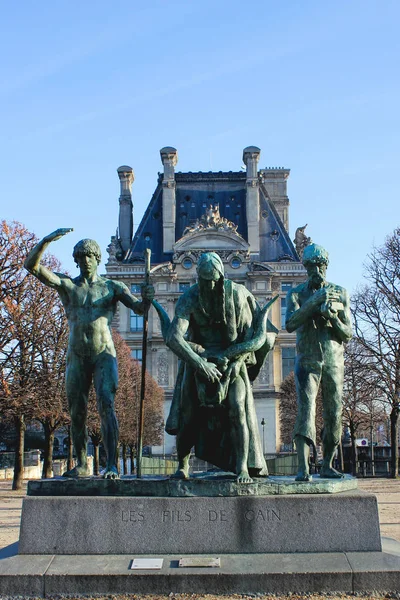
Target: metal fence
x,y
159,465
31,459
285,464
379,467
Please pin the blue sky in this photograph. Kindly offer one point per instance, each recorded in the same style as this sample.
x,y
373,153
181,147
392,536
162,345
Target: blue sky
x,y
88,86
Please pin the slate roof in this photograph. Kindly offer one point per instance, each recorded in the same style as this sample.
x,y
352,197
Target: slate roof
x,y
194,193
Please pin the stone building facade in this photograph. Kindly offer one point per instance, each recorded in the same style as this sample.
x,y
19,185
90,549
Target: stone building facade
x,y
244,216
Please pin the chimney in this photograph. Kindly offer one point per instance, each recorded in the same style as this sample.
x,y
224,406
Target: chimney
x,y
125,222
251,156
169,159
275,182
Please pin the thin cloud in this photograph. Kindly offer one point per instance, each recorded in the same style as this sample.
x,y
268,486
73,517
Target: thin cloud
x,y
235,66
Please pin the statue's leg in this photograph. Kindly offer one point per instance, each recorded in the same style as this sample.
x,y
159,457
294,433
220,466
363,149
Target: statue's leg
x,y
239,431
303,457
307,377
186,400
184,444
78,381
332,388
106,384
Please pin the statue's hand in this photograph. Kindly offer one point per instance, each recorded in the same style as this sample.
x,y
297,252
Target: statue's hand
x,y
330,309
324,296
209,371
218,358
147,292
57,234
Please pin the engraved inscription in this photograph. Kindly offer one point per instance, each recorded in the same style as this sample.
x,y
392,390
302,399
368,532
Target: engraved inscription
x,y
267,515
132,515
214,515
176,516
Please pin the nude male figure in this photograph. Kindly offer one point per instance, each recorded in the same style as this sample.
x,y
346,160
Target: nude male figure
x,y
90,302
319,312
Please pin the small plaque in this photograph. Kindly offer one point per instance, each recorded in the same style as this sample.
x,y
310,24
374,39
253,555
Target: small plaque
x,y
147,563
199,561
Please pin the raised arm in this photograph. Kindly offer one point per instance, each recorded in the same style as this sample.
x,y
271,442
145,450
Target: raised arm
x,y
32,262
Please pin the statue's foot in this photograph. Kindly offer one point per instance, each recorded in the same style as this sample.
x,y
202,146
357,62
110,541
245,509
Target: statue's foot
x,y
330,473
76,472
244,477
303,476
111,473
181,474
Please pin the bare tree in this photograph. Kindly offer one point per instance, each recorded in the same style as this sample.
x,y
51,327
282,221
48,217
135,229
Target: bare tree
x,y
50,398
23,315
361,406
28,313
127,397
127,402
376,313
154,414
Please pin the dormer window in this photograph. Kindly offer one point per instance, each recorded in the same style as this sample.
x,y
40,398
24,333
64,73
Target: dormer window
x,y
187,263
235,262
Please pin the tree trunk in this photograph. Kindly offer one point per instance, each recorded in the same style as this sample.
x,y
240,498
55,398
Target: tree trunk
x,y
70,460
340,457
394,437
49,429
124,459
354,453
132,454
96,457
19,453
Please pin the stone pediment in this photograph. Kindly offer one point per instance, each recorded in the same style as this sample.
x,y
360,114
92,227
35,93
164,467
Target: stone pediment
x,y
166,268
259,266
211,239
211,232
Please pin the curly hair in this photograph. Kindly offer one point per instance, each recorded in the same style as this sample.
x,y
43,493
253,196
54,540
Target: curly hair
x,y
87,247
315,254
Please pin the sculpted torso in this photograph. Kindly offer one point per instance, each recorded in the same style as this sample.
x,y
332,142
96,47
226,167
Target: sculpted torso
x,y
317,338
205,332
321,319
90,308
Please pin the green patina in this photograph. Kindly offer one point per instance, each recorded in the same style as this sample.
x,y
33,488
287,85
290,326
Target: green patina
x,y
222,338
90,302
319,312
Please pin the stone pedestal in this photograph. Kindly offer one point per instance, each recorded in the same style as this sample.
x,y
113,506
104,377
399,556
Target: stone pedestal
x,y
209,524
274,536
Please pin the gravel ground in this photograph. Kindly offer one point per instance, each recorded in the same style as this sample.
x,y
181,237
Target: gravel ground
x,y
327,596
387,492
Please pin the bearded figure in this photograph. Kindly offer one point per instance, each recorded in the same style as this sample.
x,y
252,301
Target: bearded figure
x,y
222,337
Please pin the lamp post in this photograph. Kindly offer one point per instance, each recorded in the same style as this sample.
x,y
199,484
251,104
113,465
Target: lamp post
x,y
163,440
263,426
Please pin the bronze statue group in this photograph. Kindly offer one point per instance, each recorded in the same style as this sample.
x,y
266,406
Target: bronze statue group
x,y
222,338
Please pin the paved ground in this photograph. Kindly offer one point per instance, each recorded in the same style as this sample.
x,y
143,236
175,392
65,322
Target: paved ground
x,y
10,513
386,490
